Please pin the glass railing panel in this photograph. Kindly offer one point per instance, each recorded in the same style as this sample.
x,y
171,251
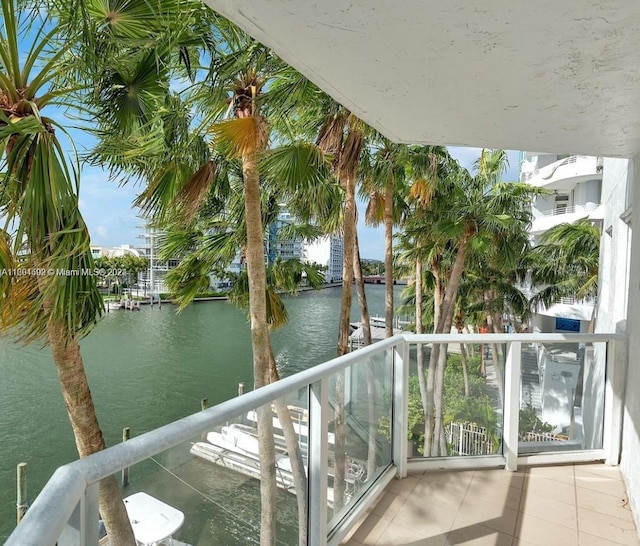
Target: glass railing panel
x,y
456,394
359,428
214,480
562,397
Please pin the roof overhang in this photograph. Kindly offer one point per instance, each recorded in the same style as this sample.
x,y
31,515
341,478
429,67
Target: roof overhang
x,y
553,76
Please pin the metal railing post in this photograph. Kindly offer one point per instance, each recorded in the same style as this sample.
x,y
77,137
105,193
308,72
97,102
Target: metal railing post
x,y
613,404
82,528
318,453
400,422
511,408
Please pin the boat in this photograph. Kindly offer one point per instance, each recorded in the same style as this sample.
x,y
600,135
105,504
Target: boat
x,y
112,305
235,446
154,522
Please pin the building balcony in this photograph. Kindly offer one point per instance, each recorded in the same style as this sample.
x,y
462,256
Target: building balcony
x,y
384,491
565,174
545,220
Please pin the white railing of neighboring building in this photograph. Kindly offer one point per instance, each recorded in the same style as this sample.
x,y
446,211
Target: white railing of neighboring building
x,y
548,171
570,210
66,510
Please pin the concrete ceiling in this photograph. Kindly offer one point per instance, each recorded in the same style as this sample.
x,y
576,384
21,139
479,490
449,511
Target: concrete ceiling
x,y
559,76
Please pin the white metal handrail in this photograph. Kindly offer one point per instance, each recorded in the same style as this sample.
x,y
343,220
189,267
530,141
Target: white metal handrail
x,y
72,490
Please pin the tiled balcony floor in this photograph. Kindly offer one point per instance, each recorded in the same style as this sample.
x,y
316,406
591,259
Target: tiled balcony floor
x,y
545,506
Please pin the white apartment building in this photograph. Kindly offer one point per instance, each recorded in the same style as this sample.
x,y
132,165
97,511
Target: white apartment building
x,y
327,251
575,186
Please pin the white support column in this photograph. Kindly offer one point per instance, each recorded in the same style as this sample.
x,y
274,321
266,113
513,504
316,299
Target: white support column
x,y
82,529
318,453
613,404
511,408
400,410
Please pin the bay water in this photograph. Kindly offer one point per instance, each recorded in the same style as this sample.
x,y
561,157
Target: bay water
x,y
145,370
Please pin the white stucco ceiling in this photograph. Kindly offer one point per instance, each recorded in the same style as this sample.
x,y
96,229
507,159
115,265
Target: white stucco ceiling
x,y
560,76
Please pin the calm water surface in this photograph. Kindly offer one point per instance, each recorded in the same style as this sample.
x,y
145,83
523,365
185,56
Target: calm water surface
x,y
147,369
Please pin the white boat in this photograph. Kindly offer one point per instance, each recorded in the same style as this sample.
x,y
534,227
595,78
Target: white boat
x,y
236,447
112,305
153,522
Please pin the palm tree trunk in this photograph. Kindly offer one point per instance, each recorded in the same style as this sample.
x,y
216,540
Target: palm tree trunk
x,y
365,319
87,433
371,379
439,354
431,374
493,327
422,380
349,184
465,368
260,344
388,258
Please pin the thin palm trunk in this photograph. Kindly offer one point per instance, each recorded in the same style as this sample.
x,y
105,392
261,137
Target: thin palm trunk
x,y
371,379
349,184
295,456
260,344
87,433
493,327
388,258
438,353
431,374
465,368
365,318
419,330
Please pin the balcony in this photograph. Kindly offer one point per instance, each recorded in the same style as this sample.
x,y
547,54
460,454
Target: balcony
x,y
370,392
564,174
570,504
545,220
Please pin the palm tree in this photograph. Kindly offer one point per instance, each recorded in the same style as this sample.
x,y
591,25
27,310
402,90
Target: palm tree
x,y
383,181
45,232
566,263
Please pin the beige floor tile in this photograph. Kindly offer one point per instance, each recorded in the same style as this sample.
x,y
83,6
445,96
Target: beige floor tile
x,y
458,479
549,488
464,532
601,469
398,535
600,483
616,507
424,519
351,543
444,497
477,510
388,505
402,487
607,527
549,509
560,473
500,478
500,493
590,540
370,530
543,532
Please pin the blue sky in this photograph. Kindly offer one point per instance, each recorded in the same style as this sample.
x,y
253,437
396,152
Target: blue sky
x,y
112,220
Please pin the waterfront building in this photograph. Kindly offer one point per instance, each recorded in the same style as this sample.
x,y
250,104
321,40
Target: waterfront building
x,y
575,186
112,252
328,252
153,278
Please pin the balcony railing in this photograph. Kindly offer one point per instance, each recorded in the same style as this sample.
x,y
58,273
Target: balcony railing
x,y
353,413
547,172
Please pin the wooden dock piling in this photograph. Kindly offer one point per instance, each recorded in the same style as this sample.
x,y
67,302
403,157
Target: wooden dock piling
x,y
21,496
126,435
